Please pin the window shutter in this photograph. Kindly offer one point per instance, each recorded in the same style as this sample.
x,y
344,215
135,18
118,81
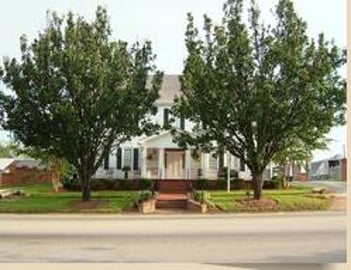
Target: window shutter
x,y
119,158
136,159
106,161
242,165
182,123
165,116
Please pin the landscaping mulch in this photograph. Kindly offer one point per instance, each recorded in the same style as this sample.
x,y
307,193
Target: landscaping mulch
x,y
262,204
92,204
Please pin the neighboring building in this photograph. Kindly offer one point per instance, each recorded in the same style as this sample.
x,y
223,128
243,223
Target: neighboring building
x,y
333,168
158,157
23,171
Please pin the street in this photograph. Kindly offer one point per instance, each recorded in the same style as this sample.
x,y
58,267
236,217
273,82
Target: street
x,y
242,238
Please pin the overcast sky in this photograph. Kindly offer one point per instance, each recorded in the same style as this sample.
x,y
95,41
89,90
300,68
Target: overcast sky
x,y
163,22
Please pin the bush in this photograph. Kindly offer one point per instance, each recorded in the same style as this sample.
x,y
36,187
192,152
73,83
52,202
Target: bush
x,y
103,184
241,184
200,196
221,184
145,184
142,196
126,185
201,183
275,183
72,183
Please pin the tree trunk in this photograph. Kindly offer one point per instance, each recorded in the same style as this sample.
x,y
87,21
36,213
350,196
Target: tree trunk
x,y
257,184
85,180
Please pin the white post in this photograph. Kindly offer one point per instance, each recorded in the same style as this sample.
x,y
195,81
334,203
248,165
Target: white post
x,y
228,171
203,165
187,163
143,162
161,155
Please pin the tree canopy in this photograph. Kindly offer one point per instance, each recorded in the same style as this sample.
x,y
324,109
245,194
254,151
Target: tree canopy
x,y
256,89
76,93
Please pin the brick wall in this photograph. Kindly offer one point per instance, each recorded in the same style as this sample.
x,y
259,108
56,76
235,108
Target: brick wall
x,y
24,176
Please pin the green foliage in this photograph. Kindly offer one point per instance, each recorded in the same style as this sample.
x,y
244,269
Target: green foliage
x,y
256,89
126,185
145,184
201,183
201,196
142,196
77,93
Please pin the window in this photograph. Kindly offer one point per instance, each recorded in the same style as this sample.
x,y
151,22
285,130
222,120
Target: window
x,y
106,161
165,116
127,158
136,159
119,158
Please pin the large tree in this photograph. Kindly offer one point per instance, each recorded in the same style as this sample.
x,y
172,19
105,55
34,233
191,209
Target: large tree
x,y
77,93
255,89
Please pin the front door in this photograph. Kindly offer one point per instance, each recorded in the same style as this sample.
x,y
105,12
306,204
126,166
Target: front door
x,y
174,164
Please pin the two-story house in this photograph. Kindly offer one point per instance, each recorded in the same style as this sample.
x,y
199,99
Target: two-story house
x,y
158,157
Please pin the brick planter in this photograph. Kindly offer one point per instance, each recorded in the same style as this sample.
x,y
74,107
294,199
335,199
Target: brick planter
x,y
196,206
147,207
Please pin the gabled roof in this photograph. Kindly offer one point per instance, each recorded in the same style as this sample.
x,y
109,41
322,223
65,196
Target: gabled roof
x,y
30,164
169,89
5,162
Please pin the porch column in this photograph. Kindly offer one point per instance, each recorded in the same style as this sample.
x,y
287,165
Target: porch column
x,y
143,157
228,170
161,157
188,164
204,164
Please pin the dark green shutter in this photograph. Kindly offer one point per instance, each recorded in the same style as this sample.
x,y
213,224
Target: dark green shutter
x,y
106,161
165,116
182,123
242,165
119,158
136,159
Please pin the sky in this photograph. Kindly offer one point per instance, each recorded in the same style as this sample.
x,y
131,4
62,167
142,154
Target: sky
x,y
163,22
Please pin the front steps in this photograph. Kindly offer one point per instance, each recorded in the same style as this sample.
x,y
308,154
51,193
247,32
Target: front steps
x,y
172,194
171,201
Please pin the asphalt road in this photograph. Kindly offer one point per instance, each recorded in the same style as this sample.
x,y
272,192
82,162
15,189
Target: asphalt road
x,y
219,239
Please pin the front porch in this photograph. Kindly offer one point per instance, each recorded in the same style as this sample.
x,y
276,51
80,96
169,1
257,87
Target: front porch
x,y
161,158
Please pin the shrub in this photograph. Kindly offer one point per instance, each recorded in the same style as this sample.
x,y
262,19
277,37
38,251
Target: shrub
x,y
241,184
142,196
145,184
200,196
72,183
125,185
201,183
275,183
221,184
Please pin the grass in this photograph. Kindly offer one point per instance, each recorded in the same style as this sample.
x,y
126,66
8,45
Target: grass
x,y
293,199
41,199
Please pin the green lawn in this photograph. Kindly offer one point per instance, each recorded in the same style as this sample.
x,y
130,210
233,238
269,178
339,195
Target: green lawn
x,y
293,199
41,199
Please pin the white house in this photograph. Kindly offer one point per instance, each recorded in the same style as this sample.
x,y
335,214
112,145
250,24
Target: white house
x,y
158,157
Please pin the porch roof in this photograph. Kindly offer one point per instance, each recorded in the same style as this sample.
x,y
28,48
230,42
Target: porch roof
x,y
162,140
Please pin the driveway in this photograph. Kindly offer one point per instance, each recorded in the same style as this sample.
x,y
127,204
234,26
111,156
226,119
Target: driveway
x,y
338,187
